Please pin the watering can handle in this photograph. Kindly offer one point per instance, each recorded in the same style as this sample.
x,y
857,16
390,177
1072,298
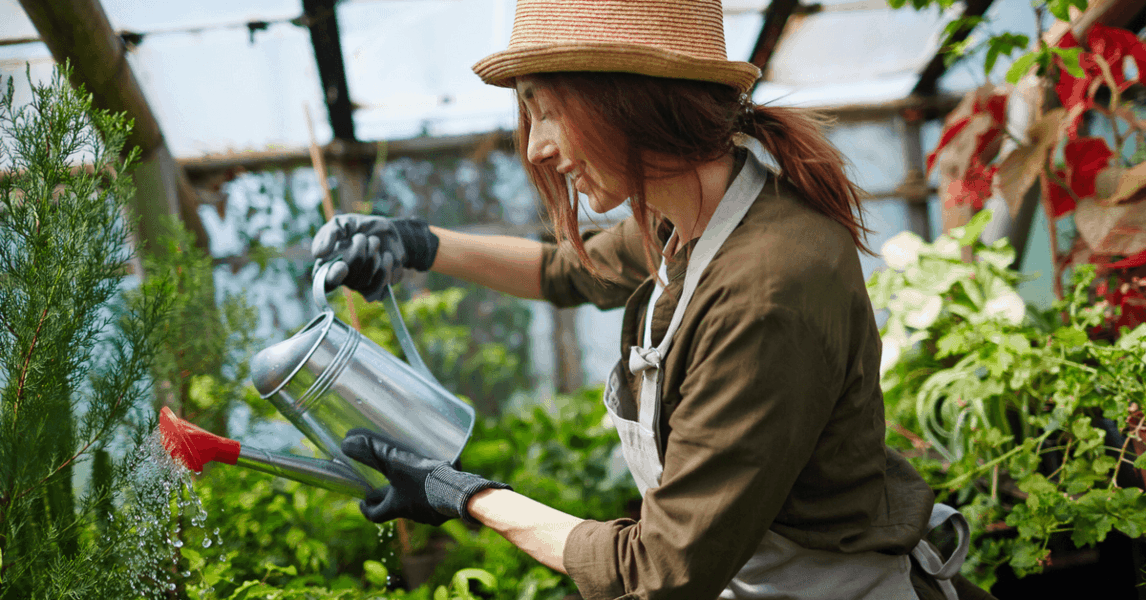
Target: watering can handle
x,y
318,293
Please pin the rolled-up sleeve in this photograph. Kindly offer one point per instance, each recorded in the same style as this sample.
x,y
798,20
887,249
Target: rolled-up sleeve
x,y
619,256
756,395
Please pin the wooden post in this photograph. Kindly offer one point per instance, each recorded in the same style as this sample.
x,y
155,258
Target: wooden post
x,y
78,32
914,188
567,350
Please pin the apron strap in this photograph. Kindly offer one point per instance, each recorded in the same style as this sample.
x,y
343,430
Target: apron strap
x,y
930,560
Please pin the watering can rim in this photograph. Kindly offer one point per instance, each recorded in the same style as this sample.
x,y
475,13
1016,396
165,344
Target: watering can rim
x,y
327,320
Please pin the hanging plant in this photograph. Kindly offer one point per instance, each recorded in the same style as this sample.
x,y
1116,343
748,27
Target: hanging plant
x,y
1102,188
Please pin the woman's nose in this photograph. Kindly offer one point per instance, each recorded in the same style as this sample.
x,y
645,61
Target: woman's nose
x,y
541,147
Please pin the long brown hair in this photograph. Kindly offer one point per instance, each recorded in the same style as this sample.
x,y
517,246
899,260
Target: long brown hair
x,y
694,121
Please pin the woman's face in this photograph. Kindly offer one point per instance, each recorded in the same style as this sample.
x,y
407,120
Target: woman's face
x,y
553,142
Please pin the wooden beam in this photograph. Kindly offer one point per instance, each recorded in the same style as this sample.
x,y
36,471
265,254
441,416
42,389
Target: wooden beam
x,y
929,77
321,19
775,18
78,32
202,170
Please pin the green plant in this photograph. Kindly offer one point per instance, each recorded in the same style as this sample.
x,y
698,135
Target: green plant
x,y
561,455
202,376
74,359
1014,414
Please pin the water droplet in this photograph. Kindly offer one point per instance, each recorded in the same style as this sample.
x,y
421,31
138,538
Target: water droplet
x,y
206,542
177,543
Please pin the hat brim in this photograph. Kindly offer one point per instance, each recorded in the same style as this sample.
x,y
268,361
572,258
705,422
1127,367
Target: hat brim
x,y
502,68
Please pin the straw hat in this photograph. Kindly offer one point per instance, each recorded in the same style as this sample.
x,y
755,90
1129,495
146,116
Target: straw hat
x,y
681,39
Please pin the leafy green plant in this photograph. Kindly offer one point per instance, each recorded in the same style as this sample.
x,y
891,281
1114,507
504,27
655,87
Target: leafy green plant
x,y
201,376
74,358
1012,413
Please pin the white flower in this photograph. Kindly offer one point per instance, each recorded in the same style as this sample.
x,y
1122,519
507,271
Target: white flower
x,y
902,250
926,311
947,247
1008,306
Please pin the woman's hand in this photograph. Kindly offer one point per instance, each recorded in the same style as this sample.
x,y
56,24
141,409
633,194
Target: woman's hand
x,y
421,489
371,252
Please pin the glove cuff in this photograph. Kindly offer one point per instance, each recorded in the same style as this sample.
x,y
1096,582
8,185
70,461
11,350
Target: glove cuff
x,y
420,244
448,491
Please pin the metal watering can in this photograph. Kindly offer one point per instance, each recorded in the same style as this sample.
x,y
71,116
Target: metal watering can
x,y
326,380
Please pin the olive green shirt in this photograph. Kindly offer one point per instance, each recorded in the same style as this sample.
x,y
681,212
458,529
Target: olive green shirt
x,y
772,413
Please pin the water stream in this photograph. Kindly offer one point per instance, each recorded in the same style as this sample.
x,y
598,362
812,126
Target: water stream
x,y
158,514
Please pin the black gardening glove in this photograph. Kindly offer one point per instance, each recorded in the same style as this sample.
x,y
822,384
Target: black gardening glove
x,y
371,252
421,489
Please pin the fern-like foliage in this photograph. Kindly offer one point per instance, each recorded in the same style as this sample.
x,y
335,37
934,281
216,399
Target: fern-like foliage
x,y
74,359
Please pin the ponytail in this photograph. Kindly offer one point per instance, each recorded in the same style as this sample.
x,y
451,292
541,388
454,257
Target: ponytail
x,y
809,162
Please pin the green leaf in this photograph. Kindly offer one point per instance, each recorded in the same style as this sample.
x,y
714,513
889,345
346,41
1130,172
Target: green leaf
x,y
376,573
896,3
1103,464
1071,59
960,24
1071,337
970,232
1140,462
1020,67
1028,556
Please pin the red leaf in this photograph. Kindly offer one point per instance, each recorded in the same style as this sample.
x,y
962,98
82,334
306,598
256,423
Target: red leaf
x,y
974,188
985,140
1085,157
948,135
1133,310
1061,202
1114,45
997,106
1129,262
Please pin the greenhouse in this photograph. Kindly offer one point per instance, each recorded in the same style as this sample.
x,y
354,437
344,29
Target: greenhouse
x,y
354,299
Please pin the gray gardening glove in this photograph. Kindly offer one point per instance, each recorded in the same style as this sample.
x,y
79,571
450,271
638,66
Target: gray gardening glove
x,y
371,252
421,489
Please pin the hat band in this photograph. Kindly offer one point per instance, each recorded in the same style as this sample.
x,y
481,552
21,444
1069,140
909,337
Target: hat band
x,y
501,68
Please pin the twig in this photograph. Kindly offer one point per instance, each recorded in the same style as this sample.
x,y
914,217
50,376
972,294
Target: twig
x,y
1052,227
28,361
1115,100
327,204
9,327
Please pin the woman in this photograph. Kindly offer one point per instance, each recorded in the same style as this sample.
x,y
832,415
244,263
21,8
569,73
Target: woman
x,y
748,399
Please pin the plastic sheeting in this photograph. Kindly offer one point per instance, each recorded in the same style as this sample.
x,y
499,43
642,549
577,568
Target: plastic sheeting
x,y
218,87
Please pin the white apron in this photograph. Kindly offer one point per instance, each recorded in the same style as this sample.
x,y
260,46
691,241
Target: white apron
x,y
780,569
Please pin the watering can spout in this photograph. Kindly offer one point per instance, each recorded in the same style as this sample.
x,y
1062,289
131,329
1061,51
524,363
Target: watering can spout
x,y
194,447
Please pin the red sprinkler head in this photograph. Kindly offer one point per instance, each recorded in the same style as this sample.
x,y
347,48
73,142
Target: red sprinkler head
x,y
193,446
